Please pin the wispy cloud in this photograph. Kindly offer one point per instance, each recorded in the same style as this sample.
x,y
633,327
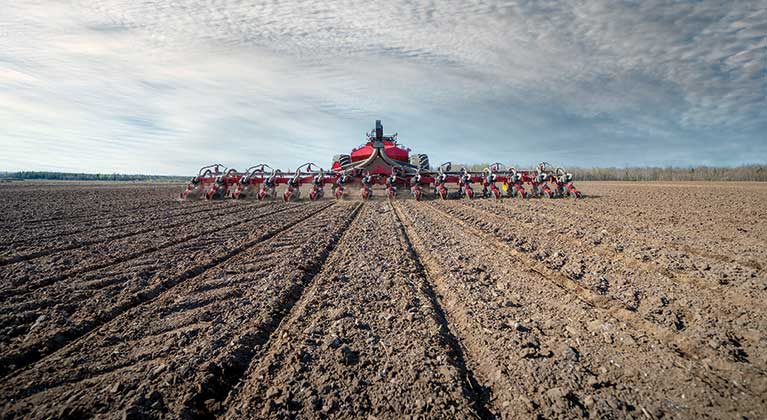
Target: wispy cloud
x,y
152,86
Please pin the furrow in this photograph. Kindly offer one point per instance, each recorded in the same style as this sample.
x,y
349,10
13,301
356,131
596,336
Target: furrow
x,y
674,308
31,284
481,395
547,350
58,337
219,388
113,215
363,341
105,239
92,226
28,272
691,220
67,205
186,346
672,256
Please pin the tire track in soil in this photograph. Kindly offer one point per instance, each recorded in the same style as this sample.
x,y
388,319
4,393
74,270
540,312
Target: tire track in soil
x,y
179,354
13,361
220,388
106,238
482,395
731,348
481,361
559,370
31,284
92,225
364,339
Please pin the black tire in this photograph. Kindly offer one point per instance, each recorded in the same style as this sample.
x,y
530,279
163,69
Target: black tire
x,y
343,160
421,161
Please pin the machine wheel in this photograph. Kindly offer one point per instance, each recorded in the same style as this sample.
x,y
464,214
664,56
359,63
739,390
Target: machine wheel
x,y
443,194
420,160
469,193
343,160
237,193
497,194
216,194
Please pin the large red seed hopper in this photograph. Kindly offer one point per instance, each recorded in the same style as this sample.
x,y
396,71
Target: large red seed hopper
x,y
382,160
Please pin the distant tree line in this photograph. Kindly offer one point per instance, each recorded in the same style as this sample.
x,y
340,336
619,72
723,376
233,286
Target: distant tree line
x,y
698,173
66,176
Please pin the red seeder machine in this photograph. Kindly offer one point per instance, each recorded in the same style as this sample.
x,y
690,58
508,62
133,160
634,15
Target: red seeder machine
x,y
380,161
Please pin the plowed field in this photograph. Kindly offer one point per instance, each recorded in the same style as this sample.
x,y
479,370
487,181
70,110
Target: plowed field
x,y
637,301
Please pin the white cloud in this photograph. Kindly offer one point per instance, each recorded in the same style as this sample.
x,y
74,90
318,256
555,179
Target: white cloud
x,y
154,86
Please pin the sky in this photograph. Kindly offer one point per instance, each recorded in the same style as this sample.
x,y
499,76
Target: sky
x,y
167,86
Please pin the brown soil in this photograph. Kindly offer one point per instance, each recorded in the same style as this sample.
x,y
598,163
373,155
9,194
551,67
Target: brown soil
x,y
639,301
